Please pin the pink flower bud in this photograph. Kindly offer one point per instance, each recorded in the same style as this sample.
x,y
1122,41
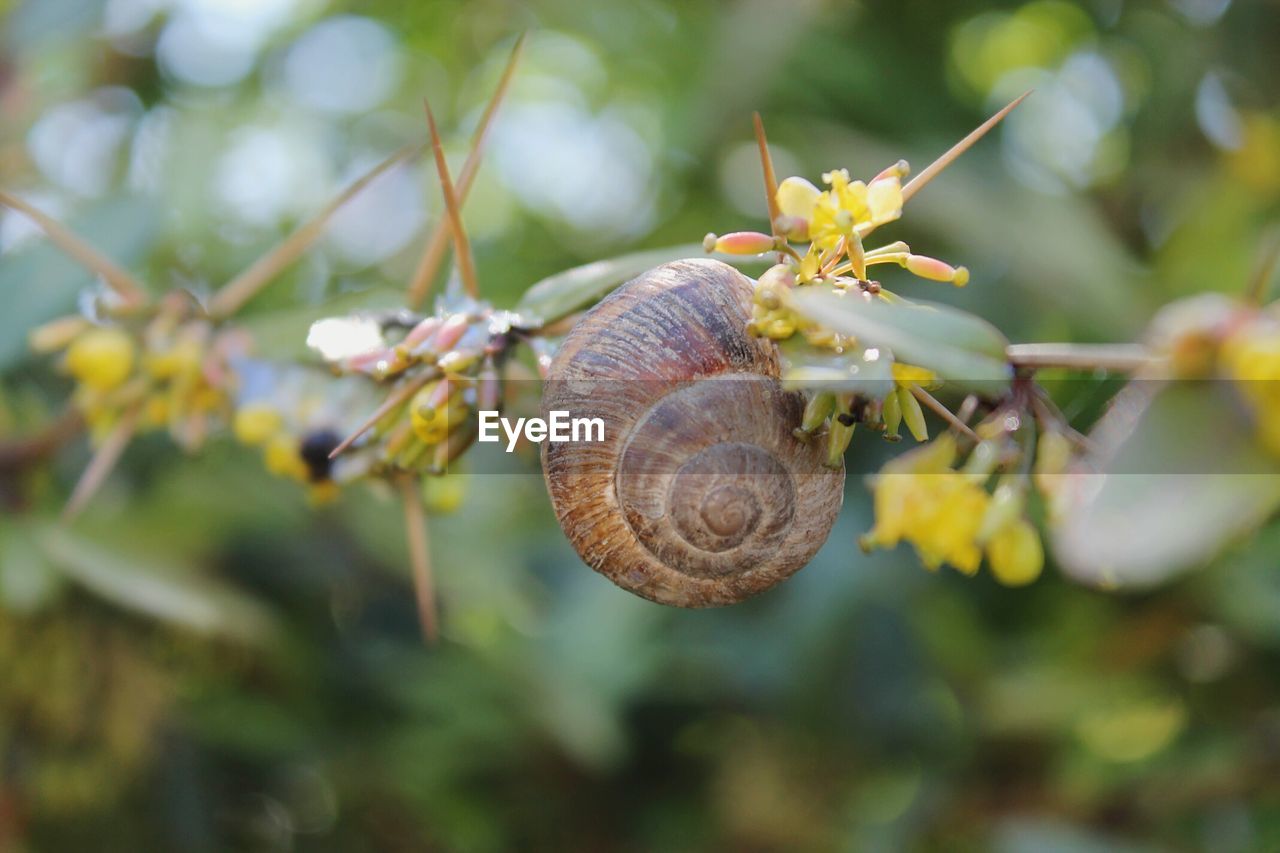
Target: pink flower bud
x,y
936,270
422,331
745,243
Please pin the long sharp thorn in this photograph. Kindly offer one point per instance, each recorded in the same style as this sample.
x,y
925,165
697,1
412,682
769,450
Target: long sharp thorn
x,y
128,288
943,412
461,246
415,523
102,463
235,293
438,242
1256,290
766,168
931,171
395,398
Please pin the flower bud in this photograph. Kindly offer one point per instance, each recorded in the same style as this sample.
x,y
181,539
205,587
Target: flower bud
x,y
912,414
255,423
898,170
891,413
101,358
443,494
429,412
936,270
1015,554
742,243
838,438
816,411
422,331
282,456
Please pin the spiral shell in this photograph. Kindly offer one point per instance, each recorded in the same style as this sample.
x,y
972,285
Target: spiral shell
x,y
699,494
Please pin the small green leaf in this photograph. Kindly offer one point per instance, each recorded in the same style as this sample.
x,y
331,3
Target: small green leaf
x,y
166,592
1179,475
805,366
559,295
958,346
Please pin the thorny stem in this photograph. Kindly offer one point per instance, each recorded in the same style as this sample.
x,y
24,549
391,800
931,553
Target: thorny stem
x,y
433,254
415,523
128,288
461,246
931,171
1125,358
245,286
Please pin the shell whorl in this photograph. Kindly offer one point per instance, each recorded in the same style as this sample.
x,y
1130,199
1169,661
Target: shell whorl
x,y
699,495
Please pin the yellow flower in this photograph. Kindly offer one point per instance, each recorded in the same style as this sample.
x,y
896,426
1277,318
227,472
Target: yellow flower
x,y
101,358
256,423
1015,553
283,457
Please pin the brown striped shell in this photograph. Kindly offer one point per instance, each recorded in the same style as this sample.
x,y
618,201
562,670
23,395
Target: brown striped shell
x,y
699,494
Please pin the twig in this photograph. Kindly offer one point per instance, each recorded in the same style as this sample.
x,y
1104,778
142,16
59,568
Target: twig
x,y
128,288
1124,358
415,523
931,171
433,254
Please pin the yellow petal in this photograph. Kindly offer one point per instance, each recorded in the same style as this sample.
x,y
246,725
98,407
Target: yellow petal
x,y
884,200
797,197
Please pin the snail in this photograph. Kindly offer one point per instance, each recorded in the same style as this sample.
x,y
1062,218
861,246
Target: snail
x,y
699,495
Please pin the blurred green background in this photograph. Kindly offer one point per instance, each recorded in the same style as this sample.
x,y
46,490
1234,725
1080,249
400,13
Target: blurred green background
x,y
206,663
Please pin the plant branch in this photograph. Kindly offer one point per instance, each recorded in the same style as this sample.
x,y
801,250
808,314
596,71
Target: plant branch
x,y
1123,358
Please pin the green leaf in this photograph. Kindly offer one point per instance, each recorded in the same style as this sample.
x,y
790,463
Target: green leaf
x,y
1178,477
559,295
38,282
958,346
805,366
169,593
282,335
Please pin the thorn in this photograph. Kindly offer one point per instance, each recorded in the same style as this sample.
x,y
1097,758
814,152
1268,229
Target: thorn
x,y
433,254
461,246
128,288
770,179
415,523
1259,281
247,284
931,171
943,412
102,463
395,398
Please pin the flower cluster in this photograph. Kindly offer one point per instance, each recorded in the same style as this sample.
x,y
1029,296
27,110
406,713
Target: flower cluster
x,y
167,370
441,370
948,516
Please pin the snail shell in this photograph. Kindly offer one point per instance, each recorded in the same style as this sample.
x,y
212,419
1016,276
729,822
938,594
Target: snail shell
x,y
699,494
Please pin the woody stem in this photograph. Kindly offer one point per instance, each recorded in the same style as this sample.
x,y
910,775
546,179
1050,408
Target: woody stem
x,y
1123,358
